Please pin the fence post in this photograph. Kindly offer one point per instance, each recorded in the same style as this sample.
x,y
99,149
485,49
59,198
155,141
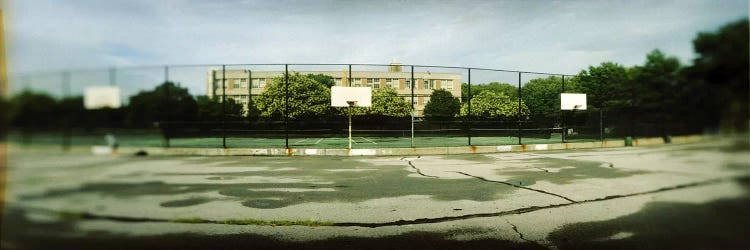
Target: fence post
x,y
249,94
518,114
112,82
223,105
65,93
25,130
468,113
601,114
412,106
632,109
169,107
286,105
562,112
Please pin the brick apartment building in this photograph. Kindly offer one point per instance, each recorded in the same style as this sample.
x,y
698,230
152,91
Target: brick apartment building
x,y
239,88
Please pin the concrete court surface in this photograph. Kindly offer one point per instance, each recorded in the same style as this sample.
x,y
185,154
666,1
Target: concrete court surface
x,y
694,196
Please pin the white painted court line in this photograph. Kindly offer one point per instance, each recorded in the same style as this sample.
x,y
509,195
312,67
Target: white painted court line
x,y
319,140
301,140
369,140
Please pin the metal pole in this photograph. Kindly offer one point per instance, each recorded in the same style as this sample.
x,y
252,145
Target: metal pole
x,y
412,106
562,112
468,114
169,108
350,126
518,114
25,130
223,105
350,76
632,109
65,93
249,93
601,114
286,105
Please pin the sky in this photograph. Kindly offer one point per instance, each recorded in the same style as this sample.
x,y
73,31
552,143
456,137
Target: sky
x,y
562,37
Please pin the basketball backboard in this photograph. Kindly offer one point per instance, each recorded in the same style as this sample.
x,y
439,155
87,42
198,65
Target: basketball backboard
x,y
361,96
569,101
101,97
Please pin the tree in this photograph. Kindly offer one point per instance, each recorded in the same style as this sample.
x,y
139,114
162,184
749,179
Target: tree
x,y
385,101
442,105
508,89
4,116
652,88
167,102
492,104
210,108
30,109
307,98
542,96
605,85
323,79
722,62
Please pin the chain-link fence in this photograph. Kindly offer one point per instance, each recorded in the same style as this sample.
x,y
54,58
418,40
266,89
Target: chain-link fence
x,y
288,106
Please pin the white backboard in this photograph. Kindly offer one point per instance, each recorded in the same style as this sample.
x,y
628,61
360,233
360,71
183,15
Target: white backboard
x,y
101,97
570,101
341,95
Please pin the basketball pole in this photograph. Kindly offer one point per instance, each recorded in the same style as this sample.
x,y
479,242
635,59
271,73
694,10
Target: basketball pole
x,y
351,103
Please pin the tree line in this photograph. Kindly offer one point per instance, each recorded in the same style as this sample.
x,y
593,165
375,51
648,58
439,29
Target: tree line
x,y
710,92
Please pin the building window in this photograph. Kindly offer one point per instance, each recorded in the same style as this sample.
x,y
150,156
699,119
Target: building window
x,y
259,83
426,100
447,84
373,82
357,82
236,83
243,83
407,83
338,81
426,84
389,82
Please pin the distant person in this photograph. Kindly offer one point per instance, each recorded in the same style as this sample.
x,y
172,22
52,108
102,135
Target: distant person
x,y
112,142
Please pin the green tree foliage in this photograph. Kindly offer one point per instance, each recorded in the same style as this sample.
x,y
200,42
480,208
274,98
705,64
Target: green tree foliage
x,y
542,96
442,104
165,102
307,98
492,104
654,81
30,109
722,63
5,117
209,109
323,79
505,88
652,88
387,102
605,85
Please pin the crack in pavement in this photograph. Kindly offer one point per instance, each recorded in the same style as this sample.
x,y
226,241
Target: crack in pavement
x,y
516,186
86,215
419,171
520,235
